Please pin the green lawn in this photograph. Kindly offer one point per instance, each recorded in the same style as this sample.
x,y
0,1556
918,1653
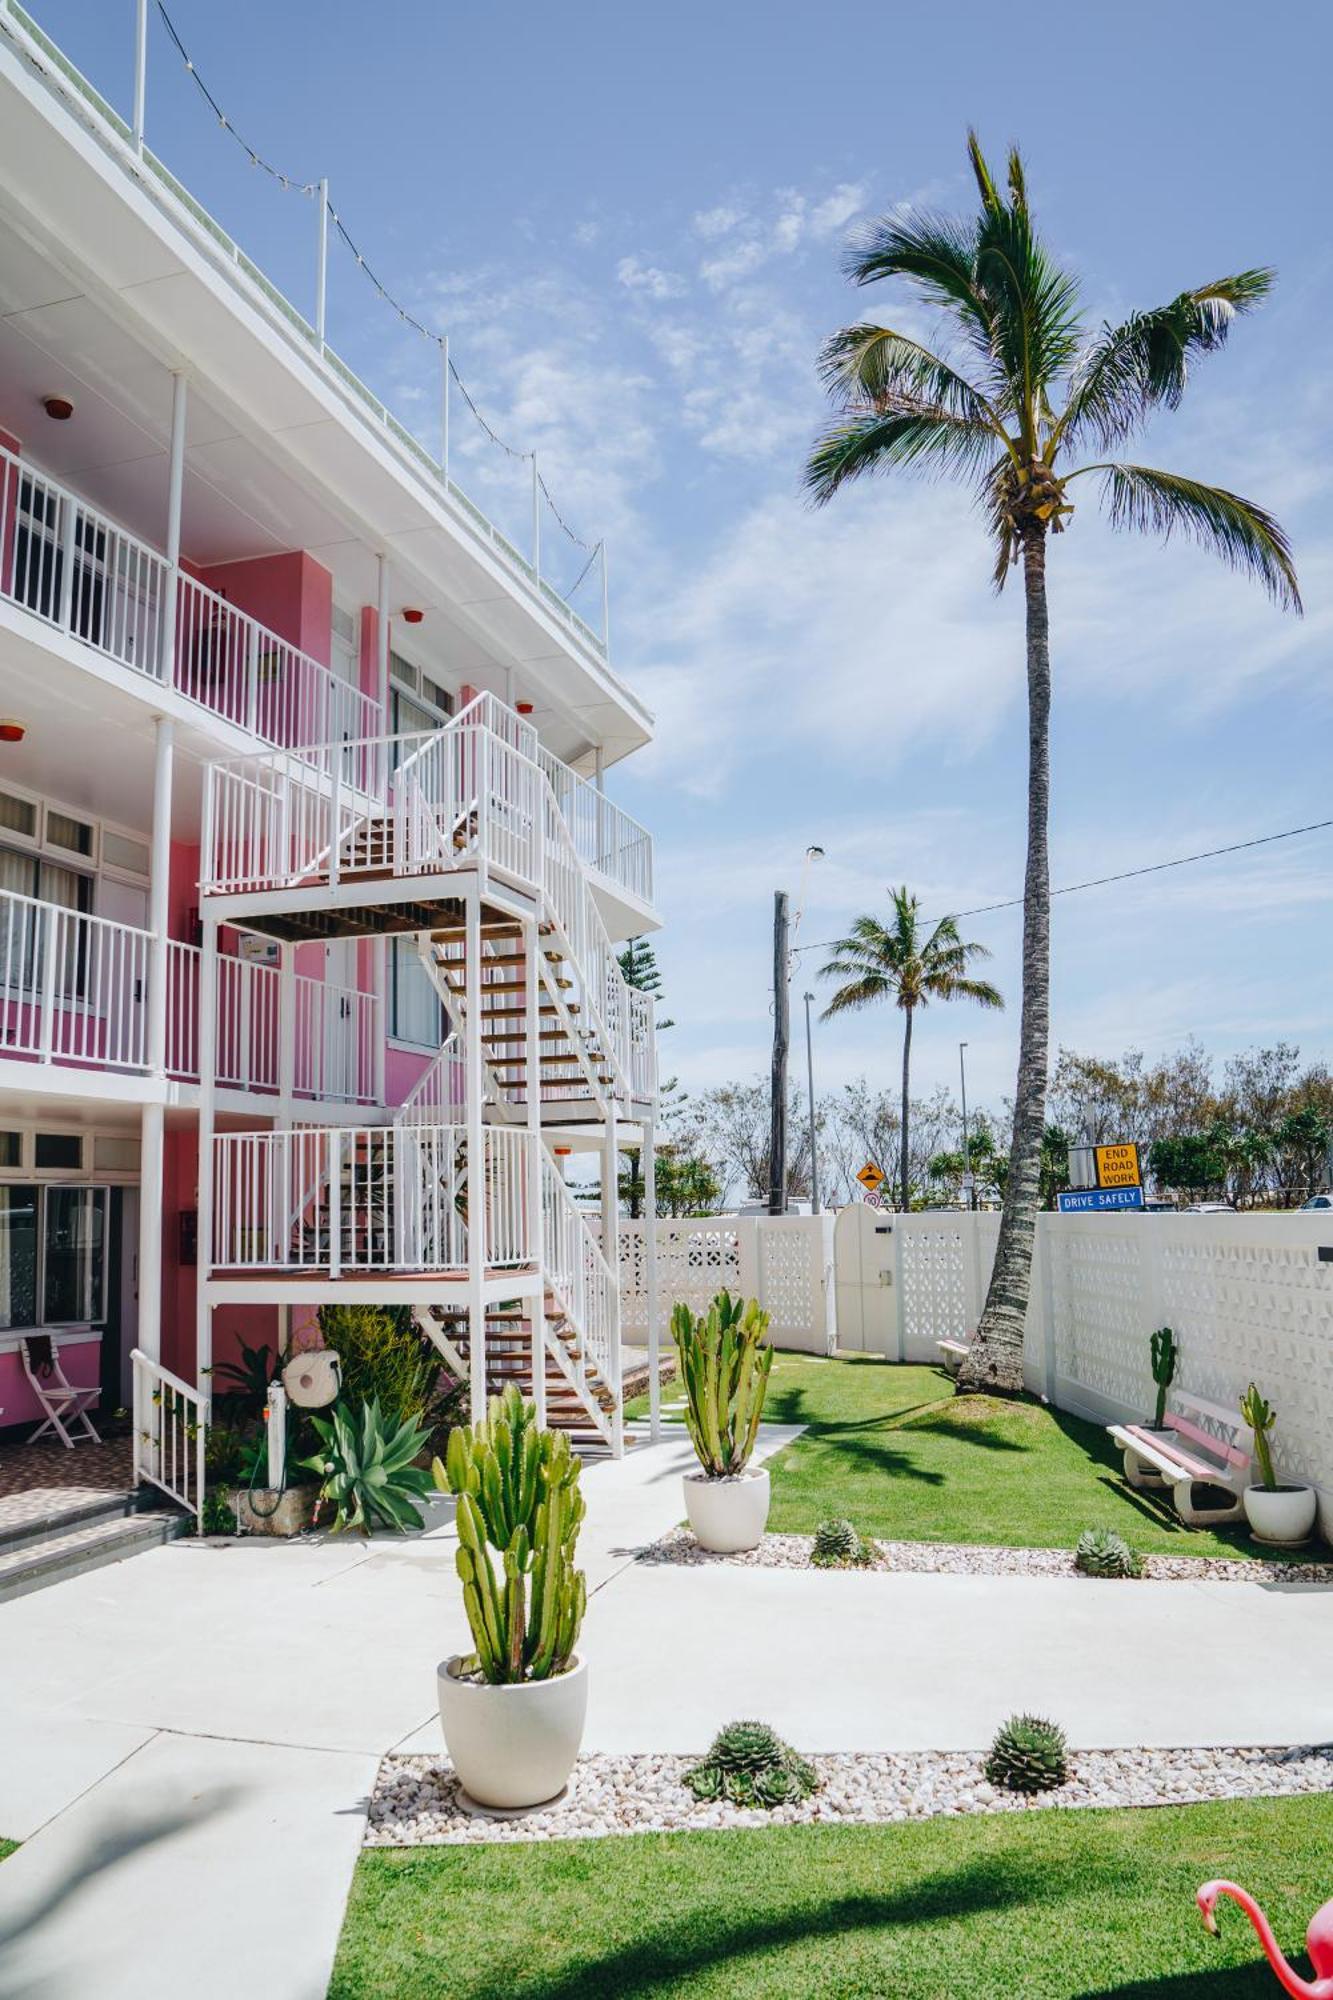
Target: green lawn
x,y
1047,1907
901,1455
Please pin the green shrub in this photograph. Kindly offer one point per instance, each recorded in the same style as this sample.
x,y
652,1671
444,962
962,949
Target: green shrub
x,y
366,1469
240,1386
748,1764
1102,1552
1028,1755
384,1358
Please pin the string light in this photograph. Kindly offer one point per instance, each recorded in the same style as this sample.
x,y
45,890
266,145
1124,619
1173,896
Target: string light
x,y
312,188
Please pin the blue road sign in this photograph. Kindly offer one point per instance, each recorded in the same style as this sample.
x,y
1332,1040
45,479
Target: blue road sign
x,y
1084,1201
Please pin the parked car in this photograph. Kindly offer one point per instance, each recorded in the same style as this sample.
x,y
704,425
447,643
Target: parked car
x,y
1318,1201
1157,1205
1208,1208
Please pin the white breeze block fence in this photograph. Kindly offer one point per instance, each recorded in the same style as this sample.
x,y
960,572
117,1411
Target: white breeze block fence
x,y
1250,1297
785,1261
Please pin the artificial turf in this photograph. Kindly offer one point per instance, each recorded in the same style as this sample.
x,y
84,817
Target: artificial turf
x,y
895,1450
1044,1906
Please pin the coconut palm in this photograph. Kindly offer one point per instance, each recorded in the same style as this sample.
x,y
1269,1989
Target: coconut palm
x,y
901,962
1017,390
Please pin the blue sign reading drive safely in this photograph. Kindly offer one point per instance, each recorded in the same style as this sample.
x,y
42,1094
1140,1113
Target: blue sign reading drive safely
x,y
1082,1201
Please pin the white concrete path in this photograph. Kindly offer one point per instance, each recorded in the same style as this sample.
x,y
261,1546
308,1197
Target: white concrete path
x,y
187,1740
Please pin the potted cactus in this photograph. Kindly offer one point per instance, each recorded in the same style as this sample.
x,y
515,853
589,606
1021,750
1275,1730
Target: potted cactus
x,y
513,1710
1282,1514
725,1359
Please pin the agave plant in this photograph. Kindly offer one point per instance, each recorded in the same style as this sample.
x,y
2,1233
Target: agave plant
x,y
366,1469
725,1362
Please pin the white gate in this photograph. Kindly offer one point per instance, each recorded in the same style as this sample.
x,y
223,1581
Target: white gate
x,y
867,1293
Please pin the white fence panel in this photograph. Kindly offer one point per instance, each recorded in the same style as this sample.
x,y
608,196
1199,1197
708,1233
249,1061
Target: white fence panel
x,y
786,1262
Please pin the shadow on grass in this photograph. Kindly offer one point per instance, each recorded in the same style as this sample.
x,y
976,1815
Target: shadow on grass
x,y
1233,1982
980,1431
842,1455
679,1952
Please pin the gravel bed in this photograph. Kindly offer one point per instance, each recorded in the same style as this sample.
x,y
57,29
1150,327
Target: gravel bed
x,y
966,1559
415,1798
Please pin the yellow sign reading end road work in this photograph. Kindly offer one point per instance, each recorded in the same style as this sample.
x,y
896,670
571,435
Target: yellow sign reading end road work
x,y
1117,1166
870,1177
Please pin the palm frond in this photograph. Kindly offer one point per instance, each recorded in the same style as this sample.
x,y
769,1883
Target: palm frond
x,y
935,253
870,364
985,179
922,436
1131,369
1244,535
1035,326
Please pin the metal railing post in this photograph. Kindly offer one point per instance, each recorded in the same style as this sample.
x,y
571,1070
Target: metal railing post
x,y
334,1139
322,262
175,489
140,71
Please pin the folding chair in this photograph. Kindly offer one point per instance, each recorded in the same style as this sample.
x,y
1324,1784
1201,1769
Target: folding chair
x,y
58,1397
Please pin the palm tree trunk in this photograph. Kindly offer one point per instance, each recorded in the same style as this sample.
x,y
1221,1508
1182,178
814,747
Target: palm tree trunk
x,y
904,1169
996,1357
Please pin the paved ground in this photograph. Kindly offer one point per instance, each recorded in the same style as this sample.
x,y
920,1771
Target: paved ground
x,y
40,1479
196,1731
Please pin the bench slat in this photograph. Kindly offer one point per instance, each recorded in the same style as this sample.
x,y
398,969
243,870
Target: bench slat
x,y
1156,1448
1209,1442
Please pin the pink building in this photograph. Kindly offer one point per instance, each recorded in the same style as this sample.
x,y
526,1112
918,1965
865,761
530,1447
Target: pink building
x,y
304,843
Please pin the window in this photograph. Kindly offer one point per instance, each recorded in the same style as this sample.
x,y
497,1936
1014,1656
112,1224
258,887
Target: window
x,y
127,855
58,1152
18,816
24,930
11,1149
52,1255
63,830
416,1013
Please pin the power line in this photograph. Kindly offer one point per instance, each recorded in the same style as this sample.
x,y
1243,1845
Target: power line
x,y
1125,875
255,159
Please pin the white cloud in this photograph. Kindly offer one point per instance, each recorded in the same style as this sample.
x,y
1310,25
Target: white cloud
x,y
649,279
711,223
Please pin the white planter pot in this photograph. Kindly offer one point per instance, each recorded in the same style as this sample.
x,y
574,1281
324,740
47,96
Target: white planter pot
x,y
1287,1516
513,1746
727,1515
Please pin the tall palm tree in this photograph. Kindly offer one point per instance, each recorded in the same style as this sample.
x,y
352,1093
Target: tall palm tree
x,y
1016,389
899,961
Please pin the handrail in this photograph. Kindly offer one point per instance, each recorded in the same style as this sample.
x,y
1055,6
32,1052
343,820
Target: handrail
x,y
73,986
335,1064
170,1428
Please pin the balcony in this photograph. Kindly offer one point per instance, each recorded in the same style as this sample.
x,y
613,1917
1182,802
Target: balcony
x,y
73,991
84,575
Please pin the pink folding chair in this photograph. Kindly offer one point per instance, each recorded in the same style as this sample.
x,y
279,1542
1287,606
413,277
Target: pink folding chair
x,y
62,1402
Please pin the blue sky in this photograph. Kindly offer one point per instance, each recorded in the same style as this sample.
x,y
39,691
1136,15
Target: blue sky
x,y
630,220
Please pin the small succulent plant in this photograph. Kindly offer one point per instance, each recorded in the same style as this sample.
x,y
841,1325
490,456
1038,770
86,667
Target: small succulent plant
x,y
838,1544
1102,1552
1028,1755
748,1764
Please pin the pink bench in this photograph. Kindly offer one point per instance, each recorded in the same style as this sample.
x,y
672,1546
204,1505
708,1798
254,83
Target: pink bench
x,y
1199,1456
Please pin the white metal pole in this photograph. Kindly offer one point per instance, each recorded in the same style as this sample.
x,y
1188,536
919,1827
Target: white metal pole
x,y
969,1191
175,494
476,1158
810,1088
322,263
536,520
611,1252
140,71
208,1002
532,1021
650,1279
382,641
599,770
444,408
159,893
286,1032
606,606
152,1123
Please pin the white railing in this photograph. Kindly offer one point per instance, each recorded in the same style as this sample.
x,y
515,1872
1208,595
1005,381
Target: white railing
x,y
439,1095
605,837
334,1031
73,987
170,1432
82,573
366,1198
580,1277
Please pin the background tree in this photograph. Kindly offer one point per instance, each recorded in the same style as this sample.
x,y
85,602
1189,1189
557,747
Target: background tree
x,y
639,968
903,963
1013,388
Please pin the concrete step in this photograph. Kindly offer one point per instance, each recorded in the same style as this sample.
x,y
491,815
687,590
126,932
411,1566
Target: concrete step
x,y
72,1547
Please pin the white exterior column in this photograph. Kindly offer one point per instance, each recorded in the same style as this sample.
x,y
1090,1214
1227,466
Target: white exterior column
x,y
382,643
611,1252
208,1007
650,1277
476,1160
152,1123
175,493
532,944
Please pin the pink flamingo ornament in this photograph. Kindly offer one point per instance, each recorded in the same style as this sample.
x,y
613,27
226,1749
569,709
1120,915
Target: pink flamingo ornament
x,y
1318,1940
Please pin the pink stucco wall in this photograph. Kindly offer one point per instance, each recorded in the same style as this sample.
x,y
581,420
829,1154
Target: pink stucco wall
x,y
291,594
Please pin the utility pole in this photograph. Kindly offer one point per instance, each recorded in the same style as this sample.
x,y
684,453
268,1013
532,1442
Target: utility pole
x,y
810,1089
777,1130
969,1188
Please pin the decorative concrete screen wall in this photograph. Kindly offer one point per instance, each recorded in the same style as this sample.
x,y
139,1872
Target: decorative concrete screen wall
x,y
786,1262
1248,1296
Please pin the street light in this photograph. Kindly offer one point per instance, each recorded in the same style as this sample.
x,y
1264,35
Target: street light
x,y
810,1088
969,1189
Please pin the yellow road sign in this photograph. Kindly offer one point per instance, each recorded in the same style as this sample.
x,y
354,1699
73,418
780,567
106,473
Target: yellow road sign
x,y
871,1178
1117,1166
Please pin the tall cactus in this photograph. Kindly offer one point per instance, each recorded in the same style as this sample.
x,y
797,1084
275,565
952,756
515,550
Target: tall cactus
x,y
1165,1359
518,1493
1260,1415
725,1362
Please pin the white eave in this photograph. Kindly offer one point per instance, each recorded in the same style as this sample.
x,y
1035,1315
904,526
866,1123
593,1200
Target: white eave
x,y
73,179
